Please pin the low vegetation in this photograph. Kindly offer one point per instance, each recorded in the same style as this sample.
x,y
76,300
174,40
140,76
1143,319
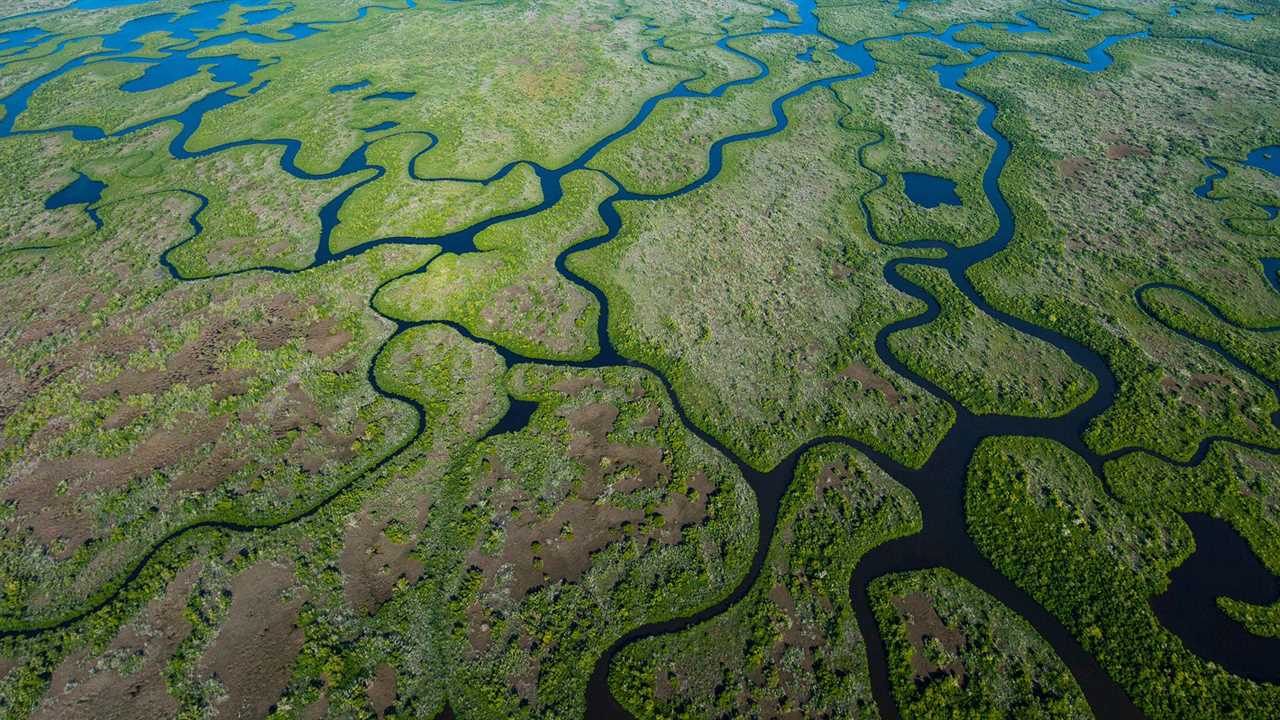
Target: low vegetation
x,y
792,643
989,367
955,651
1043,519
300,414
766,327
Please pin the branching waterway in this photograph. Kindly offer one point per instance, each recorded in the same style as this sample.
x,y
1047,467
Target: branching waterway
x,y
1188,608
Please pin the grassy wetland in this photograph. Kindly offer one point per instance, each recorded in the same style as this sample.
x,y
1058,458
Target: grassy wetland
x,y
652,359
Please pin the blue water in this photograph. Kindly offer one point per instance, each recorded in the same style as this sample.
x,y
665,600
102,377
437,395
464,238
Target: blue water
x,y
1271,268
386,125
13,38
1030,27
82,191
930,191
1173,11
204,17
125,39
257,17
1237,15
1099,58
359,85
1217,172
175,65
806,56
1265,158
224,68
1026,26
229,38
391,95
921,188
297,31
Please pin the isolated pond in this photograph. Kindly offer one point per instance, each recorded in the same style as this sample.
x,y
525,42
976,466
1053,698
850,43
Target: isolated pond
x,y
930,190
391,95
359,85
1265,158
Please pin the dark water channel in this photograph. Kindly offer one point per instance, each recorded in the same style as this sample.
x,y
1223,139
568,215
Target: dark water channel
x,y
1221,564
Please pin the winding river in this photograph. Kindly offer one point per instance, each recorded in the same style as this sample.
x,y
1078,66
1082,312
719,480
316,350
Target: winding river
x,y
1222,563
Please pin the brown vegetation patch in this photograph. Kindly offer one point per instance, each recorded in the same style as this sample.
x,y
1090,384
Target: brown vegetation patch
x,y
524,679
50,227
196,364
559,547
590,446
868,379
316,710
1071,167
481,634
254,651
543,307
1190,391
84,688
831,477
46,496
226,459
1122,150
797,633
199,361
381,690
325,338
17,386
122,416
576,385
663,690
372,564
924,626
297,412
650,419
1200,381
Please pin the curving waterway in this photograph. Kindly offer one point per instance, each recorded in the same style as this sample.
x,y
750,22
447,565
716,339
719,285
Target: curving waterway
x,y
1223,564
